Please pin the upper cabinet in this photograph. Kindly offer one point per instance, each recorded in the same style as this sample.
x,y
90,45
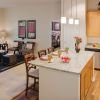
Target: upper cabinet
x,y
93,23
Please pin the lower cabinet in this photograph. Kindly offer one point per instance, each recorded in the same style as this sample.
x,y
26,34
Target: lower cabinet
x,y
86,79
97,60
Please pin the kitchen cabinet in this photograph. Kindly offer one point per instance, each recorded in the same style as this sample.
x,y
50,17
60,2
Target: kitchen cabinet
x,y
86,78
93,23
97,60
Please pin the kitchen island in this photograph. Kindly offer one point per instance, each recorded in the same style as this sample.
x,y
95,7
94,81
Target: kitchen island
x,y
65,81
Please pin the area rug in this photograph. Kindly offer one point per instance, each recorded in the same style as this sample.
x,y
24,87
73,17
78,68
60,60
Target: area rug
x,y
4,64
6,67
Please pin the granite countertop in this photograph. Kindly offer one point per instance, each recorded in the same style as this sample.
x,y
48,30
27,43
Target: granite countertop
x,y
76,64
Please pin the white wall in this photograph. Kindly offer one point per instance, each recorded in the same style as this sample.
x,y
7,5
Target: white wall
x,y
70,31
44,14
2,18
92,5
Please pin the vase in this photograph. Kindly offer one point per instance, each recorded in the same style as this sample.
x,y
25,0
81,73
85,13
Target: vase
x,y
77,48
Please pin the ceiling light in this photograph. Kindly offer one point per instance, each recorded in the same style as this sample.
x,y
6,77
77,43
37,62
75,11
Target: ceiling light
x,y
76,21
63,20
71,21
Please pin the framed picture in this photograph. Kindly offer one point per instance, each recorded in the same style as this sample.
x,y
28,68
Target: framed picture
x,y
31,29
55,39
56,26
22,28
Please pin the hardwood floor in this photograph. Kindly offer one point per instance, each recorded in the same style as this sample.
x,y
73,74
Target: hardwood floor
x,y
94,91
32,95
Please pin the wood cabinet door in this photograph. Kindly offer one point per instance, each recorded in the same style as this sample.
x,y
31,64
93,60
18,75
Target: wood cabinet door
x,y
86,79
93,23
82,87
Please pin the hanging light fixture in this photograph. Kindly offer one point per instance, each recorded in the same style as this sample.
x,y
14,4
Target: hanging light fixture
x,y
71,20
76,21
63,18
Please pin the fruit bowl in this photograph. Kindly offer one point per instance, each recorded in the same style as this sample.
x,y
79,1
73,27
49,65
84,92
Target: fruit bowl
x,y
65,59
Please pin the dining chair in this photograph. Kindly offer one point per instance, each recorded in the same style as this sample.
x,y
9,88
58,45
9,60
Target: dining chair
x,y
31,71
50,49
41,53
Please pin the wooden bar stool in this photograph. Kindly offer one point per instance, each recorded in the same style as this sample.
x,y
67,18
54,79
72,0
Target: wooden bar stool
x,y
31,70
41,53
51,49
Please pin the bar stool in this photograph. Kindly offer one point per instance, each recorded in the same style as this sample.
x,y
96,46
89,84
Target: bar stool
x,y
51,49
31,71
41,53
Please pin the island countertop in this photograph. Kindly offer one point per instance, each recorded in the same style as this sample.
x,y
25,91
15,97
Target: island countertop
x,y
76,64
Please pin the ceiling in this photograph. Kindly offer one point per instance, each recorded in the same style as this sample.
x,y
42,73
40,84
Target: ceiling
x,y
8,3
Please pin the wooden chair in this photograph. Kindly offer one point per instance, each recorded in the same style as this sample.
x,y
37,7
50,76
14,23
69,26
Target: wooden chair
x,y
30,46
41,53
31,70
51,49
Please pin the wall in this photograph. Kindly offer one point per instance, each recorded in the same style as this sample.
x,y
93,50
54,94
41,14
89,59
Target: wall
x,y
70,31
92,5
44,14
2,18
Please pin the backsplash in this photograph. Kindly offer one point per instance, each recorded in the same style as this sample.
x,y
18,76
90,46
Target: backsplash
x,y
93,39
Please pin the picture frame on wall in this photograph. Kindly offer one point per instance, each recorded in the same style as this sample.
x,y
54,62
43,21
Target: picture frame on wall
x,y
22,28
56,26
31,29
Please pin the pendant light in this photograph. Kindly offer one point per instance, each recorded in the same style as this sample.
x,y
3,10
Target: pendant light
x,y
63,18
76,21
71,20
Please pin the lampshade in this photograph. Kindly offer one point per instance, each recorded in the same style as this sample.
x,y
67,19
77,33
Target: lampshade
x,y
3,33
71,21
63,20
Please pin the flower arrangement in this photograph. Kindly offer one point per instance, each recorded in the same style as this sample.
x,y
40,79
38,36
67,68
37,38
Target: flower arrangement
x,y
78,40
